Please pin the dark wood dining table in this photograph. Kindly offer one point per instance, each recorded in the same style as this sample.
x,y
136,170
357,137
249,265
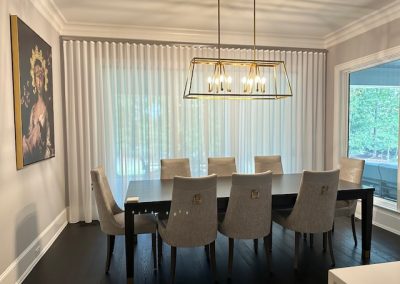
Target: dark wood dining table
x,y
155,196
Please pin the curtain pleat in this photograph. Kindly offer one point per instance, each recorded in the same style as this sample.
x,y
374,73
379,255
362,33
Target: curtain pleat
x,y
124,110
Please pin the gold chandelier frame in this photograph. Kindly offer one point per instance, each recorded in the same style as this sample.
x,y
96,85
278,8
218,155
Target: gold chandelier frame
x,y
222,86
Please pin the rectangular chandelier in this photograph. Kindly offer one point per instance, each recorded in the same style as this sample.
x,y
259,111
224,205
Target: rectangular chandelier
x,y
220,78
217,78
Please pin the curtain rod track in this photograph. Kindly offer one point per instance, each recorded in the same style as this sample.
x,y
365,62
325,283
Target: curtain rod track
x,y
122,40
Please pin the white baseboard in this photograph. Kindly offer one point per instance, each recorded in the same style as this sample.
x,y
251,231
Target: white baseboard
x,y
34,252
386,219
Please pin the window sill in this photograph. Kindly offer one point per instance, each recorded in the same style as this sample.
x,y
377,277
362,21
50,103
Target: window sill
x,y
386,204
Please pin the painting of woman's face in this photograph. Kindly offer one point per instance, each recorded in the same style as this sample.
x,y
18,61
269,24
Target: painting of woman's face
x,y
39,77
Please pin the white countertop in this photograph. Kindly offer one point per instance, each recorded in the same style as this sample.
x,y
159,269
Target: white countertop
x,y
383,273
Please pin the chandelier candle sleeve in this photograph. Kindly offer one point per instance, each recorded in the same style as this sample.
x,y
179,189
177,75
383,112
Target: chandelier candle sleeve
x,y
219,81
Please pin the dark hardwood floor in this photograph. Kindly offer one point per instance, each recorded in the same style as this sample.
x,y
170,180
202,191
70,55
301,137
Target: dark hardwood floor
x,y
78,256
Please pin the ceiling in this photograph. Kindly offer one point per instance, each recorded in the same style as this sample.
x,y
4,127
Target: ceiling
x,y
308,19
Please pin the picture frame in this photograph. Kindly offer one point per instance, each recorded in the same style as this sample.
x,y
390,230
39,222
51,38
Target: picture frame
x,y
33,95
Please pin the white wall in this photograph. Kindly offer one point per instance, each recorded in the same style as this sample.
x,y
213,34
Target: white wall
x,y
32,200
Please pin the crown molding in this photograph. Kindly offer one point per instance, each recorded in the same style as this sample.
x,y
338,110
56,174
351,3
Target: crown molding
x,y
50,11
375,19
186,35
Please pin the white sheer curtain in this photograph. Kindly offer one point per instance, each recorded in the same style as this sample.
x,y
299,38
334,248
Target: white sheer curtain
x,y
124,110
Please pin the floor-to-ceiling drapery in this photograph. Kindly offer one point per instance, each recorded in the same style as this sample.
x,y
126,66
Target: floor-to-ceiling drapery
x,y
124,110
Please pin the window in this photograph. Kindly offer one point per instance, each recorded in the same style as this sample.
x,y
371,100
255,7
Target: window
x,y
374,125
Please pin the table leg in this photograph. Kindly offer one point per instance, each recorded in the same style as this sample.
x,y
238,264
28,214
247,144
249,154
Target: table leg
x,y
129,247
366,223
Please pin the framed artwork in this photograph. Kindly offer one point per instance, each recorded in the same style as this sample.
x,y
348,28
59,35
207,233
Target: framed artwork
x,y
33,95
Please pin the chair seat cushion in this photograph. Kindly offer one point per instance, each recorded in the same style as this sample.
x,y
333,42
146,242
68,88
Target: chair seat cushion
x,y
345,208
162,230
280,217
342,203
221,217
162,222
144,223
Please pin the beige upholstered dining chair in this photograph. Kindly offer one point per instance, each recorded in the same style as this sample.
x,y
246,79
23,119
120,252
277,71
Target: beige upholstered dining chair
x,y
268,163
222,167
350,170
112,219
248,215
263,164
175,167
192,219
314,209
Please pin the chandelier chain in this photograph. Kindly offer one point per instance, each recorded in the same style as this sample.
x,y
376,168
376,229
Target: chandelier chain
x,y
254,29
219,30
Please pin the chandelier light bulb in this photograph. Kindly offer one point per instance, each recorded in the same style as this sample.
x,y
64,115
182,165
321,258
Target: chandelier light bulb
x,y
244,82
229,84
222,80
250,85
257,81
263,82
210,84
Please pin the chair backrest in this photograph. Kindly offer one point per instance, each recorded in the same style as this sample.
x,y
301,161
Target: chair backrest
x,y
268,163
351,169
222,167
171,168
106,205
314,209
192,219
248,215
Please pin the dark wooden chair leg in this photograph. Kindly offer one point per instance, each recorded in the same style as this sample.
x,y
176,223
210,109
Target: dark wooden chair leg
x,y
173,263
353,227
154,249
331,248
270,238
110,249
268,254
333,227
255,242
207,249
311,240
324,242
305,236
213,261
160,249
297,237
230,257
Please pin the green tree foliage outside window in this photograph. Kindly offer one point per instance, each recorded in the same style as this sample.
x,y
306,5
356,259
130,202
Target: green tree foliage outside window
x,y
374,122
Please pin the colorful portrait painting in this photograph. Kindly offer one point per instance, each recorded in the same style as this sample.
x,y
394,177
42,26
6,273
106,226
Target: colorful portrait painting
x,y
33,95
